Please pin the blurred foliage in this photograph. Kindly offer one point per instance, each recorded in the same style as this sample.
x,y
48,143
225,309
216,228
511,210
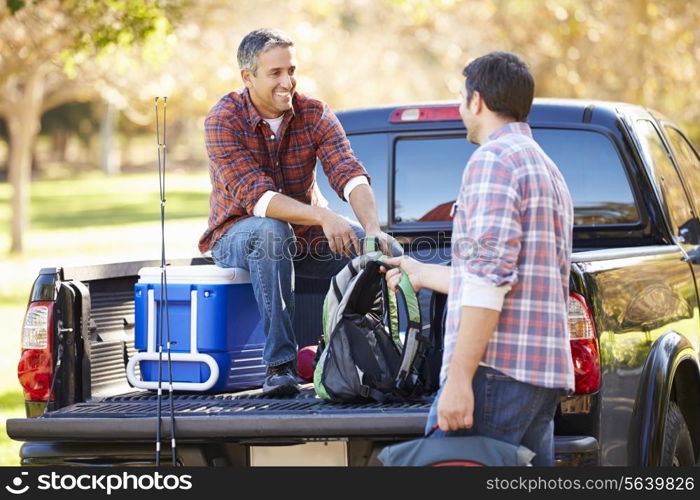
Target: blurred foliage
x,y
359,53
71,43
15,5
76,118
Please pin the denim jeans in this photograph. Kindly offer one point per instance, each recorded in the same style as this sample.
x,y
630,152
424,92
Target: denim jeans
x,y
265,247
511,411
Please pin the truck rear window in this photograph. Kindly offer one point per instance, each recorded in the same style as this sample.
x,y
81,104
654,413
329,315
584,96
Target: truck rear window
x,y
429,171
373,151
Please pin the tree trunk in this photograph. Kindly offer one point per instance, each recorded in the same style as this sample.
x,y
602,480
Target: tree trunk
x,y
59,144
23,123
109,162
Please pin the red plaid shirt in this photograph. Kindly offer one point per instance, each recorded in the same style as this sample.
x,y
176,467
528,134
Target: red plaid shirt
x,y
246,159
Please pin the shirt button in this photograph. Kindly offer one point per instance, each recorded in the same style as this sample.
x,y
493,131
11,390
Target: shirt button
x,y
272,136
277,164
279,190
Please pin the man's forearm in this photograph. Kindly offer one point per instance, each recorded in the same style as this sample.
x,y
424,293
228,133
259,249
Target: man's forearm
x,y
435,277
476,326
363,204
290,210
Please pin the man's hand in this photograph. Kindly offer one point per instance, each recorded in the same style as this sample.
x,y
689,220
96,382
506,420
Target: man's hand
x,y
456,405
341,238
412,268
386,242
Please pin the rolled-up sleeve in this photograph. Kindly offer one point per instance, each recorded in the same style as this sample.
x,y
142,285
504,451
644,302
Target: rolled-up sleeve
x,y
490,200
235,167
337,158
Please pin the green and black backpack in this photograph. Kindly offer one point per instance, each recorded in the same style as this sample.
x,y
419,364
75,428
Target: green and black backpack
x,y
362,355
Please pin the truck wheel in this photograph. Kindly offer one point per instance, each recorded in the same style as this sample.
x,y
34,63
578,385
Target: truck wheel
x,y
678,447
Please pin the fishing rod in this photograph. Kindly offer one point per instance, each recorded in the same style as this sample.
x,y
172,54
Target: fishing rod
x,y
163,311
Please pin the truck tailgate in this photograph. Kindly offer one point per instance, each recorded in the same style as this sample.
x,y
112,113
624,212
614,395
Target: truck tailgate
x,y
132,417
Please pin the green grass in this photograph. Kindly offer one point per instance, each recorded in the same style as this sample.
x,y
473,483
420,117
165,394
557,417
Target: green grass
x,y
11,401
11,406
97,200
17,299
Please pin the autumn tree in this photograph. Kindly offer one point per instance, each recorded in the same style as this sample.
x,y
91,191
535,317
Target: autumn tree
x,y
48,51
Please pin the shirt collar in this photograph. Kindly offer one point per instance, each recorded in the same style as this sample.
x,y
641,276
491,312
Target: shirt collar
x,y
253,118
510,128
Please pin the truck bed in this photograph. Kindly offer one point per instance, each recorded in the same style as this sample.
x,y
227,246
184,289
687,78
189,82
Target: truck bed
x,y
235,417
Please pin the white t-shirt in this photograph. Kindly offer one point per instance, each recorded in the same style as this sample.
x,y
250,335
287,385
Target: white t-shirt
x,y
274,123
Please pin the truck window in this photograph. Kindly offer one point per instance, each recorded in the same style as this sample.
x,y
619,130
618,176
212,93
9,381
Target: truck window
x,y
594,173
429,171
372,150
687,159
672,191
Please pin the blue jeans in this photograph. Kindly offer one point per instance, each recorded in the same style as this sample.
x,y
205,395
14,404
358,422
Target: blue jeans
x,y
265,247
510,411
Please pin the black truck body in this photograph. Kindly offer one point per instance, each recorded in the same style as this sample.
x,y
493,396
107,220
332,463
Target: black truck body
x,y
635,181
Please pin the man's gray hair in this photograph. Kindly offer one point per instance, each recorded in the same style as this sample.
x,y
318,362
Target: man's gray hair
x,y
259,41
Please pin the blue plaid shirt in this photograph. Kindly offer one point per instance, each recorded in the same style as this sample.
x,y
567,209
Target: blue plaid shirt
x,y
514,204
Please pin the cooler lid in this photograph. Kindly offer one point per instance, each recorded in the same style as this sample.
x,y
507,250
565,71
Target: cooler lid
x,y
197,275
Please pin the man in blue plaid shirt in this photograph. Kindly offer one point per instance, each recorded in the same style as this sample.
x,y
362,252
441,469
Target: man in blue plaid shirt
x,y
507,357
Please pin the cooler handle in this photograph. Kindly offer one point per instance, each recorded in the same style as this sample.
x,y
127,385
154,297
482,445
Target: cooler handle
x,y
175,356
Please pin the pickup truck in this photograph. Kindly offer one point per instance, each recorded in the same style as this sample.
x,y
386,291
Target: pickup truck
x,y
634,314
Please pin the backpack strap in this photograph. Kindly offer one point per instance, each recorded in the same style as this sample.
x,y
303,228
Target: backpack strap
x,y
411,300
416,342
409,295
334,297
371,244
392,313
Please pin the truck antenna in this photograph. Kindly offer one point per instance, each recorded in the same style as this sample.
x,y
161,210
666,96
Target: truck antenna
x,y
164,294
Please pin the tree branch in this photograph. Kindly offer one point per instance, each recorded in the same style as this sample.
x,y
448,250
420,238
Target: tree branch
x,y
69,92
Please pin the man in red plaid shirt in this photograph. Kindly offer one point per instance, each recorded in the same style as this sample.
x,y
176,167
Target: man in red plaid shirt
x,y
266,212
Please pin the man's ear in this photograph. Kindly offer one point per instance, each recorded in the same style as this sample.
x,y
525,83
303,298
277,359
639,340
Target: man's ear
x,y
246,75
476,103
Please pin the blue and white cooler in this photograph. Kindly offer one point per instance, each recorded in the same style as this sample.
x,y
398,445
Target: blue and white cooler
x,y
216,334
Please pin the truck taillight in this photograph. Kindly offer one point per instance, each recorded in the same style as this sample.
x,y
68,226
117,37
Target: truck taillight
x,y
35,367
425,114
584,346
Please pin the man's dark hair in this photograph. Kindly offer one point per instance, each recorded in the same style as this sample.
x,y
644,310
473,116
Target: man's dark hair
x,y
504,82
259,41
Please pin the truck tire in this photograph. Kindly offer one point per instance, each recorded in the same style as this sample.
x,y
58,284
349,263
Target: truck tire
x,y
678,447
